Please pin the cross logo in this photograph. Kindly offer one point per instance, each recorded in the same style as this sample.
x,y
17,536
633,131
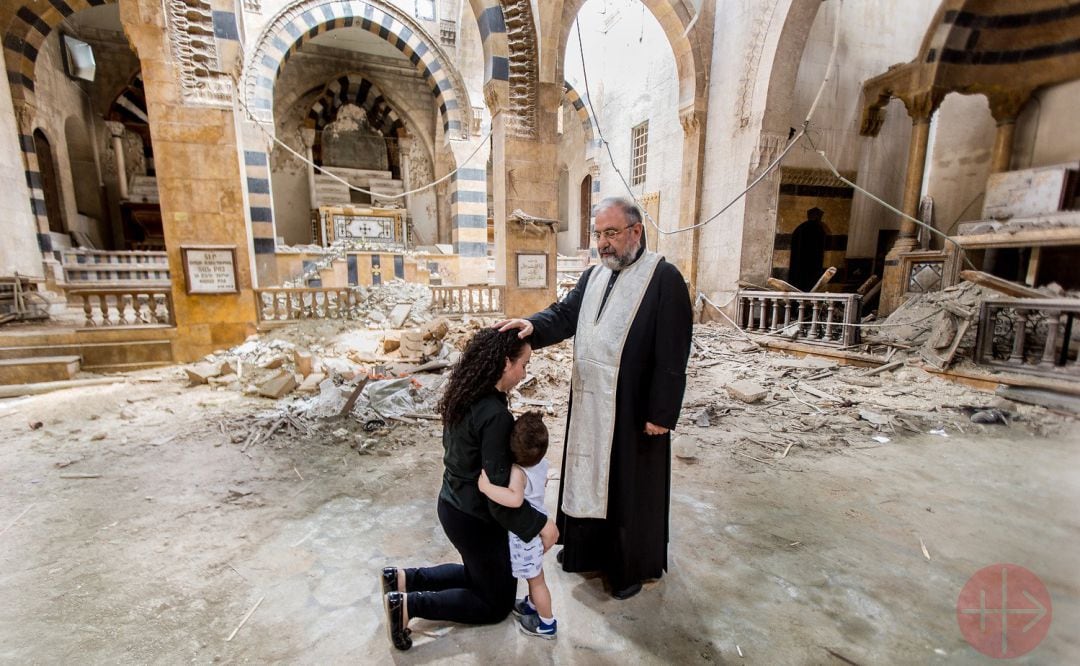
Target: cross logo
x,y
1004,611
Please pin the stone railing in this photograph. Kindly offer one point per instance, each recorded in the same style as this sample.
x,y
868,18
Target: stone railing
x,y
473,299
826,319
99,268
1030,335
125,307
296,303
923,272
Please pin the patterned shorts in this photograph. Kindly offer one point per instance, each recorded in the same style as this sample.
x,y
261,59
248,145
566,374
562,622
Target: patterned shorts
x,y
526,559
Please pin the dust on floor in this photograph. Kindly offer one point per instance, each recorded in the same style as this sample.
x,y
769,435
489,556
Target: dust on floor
x,y
135,529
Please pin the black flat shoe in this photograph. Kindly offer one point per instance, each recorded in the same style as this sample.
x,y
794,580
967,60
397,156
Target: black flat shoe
x,y
627,592
388,578
394,603
559,556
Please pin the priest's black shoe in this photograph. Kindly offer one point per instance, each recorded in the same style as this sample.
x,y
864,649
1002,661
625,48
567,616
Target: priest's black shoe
x,y
394,603
388,577
559,556
627,592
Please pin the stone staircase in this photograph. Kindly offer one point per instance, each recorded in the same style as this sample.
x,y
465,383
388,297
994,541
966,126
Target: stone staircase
x,y
57,353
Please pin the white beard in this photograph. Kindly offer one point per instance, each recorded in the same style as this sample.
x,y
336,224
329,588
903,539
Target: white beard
x,y
619,262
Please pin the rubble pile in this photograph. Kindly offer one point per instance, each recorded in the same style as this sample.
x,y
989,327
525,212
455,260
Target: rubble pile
x,y
390,305
767,406
936,327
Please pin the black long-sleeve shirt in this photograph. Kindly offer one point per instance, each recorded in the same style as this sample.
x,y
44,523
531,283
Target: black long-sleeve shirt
x,y
482,439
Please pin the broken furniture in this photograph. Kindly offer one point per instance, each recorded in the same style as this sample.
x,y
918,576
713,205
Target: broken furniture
x,y
20,301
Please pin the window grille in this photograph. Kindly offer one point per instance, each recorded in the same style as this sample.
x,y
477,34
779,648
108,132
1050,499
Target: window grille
x,y
639,153
448,32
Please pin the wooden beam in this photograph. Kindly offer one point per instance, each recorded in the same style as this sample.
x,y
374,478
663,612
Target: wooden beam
x,y
777,284
824,279
1007,287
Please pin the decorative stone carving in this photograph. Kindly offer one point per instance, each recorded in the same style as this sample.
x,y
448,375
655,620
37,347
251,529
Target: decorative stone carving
x,y
523,74
254,6
116,129
690,119
1006,105
814,177
760,29
921,106
770,145
420,171
194,49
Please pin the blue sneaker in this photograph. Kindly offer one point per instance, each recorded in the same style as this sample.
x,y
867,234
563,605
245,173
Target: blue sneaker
x,y
523,607
532,625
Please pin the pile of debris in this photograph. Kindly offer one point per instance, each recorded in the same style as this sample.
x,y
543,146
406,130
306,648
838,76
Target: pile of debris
x,y
764,404
390,305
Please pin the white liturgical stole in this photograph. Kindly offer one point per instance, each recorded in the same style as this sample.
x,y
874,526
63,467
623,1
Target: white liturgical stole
x,y
598,346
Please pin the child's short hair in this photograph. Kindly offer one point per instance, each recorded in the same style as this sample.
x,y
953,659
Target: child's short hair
x,y
529,439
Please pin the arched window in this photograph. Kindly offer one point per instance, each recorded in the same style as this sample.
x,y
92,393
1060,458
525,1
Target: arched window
x,y
585,215
50,184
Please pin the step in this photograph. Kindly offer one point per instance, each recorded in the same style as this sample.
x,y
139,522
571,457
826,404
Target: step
x,y
38,369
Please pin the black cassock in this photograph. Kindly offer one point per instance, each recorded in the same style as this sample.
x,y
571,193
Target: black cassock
x,y
630,545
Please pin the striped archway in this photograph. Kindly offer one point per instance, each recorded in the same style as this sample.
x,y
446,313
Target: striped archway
x,y
581,107
26,25
353,88
286,33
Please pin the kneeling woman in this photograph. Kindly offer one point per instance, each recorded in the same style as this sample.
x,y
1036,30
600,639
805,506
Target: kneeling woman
x,y
476,435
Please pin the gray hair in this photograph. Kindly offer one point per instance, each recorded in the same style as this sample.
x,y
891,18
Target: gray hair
x,y
630,212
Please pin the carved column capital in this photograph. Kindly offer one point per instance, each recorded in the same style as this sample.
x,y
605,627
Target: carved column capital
x,y
690,119
1005,106
921,105
116,129
495,96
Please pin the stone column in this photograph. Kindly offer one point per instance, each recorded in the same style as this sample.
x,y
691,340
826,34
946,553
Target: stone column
x,y
201,175
1005,107
921,108
117,131
307,137
693,163
525,178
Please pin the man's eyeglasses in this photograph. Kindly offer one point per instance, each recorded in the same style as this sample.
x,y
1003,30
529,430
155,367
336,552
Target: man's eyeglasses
x,y
610,234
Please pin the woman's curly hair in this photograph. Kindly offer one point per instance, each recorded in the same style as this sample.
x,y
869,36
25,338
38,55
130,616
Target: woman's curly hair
x,y
480,367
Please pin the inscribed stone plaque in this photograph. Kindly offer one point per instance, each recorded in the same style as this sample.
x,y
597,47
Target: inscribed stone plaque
x,y
532,271
210,270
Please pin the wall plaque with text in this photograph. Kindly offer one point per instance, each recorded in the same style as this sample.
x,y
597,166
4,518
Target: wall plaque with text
x,y
210,269
532,271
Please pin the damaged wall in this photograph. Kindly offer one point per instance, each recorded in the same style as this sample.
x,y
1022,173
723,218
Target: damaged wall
x,y
19,251
407,93
873,36
961,141
66,102
573,158
632,79
1046,128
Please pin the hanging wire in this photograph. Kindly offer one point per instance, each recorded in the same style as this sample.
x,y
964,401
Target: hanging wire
x,y
305,160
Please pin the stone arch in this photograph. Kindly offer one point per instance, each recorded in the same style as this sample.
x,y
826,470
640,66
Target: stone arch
x,y
511,61
287,32
353,88
27,25
581,107
675,18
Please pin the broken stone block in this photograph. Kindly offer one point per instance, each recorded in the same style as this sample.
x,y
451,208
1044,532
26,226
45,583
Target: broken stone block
x,y
274,363
436,330
305,362
223,380
685,447
201,373
311,383
399,314
226,368
747,391
390,343
278,385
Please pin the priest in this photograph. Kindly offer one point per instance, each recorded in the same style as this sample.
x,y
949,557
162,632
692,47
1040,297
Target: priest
x,y
631,321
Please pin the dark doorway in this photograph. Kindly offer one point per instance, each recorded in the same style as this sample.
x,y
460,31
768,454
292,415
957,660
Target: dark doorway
x,y
808,251
585,210
49,183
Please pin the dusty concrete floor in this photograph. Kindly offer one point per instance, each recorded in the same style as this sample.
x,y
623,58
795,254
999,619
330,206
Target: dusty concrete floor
x,y
160,558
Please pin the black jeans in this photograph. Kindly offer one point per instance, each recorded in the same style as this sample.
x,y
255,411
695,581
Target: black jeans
x,y
480,591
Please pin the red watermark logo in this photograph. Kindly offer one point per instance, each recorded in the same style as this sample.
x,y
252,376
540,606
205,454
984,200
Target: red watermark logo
x,y
1004,611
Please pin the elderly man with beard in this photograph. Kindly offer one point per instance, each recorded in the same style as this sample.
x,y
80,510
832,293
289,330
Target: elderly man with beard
x,y
631,321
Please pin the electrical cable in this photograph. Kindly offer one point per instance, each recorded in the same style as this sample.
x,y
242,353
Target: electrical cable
x,y
305,160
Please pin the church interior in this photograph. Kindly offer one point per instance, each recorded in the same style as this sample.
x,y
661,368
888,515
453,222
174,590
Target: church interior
x,y
182,176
